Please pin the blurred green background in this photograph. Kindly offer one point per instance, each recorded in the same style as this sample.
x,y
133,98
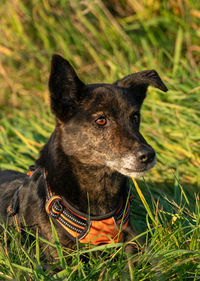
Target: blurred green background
x,y
104,40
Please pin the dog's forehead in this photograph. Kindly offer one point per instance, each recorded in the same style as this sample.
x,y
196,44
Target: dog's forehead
x,y
105,92
109,95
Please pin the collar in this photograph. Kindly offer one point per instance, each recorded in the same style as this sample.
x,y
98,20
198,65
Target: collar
x,y
83,227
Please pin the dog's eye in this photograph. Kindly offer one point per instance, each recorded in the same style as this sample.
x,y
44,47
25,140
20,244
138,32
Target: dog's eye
x,y
101,121
135,118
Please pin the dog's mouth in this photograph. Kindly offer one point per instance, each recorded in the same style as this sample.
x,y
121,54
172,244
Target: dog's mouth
x,y
133,171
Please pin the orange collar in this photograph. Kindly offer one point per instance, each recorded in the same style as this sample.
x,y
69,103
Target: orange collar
x,y
79,226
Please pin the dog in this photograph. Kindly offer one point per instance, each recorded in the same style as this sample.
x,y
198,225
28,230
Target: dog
x,y
80,179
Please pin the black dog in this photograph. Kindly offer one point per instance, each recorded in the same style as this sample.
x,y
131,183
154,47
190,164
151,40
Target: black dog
x,y
80,178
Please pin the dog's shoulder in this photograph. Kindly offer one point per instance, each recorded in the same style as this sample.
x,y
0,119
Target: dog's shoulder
x,y
9,182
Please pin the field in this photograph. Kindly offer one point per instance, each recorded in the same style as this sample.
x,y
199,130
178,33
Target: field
x,y
106,40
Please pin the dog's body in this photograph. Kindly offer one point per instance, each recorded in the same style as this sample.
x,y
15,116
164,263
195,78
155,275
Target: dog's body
x,y
95,145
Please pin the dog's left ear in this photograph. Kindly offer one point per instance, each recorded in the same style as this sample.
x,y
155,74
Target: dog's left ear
x,y
139,82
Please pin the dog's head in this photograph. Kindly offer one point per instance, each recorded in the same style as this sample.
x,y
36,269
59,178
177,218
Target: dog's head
x,y
99,123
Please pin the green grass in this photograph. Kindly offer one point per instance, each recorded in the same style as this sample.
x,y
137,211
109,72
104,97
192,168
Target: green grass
x,y
106,40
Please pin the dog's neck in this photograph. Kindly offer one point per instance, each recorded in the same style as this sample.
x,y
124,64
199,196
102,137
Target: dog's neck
x,y
80,184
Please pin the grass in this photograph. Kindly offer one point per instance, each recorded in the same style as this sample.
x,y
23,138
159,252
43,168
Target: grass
x,y
106,40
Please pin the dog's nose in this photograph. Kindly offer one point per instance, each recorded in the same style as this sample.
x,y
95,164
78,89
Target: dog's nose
x,y
146,156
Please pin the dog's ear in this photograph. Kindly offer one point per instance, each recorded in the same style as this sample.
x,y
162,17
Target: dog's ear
x,y
139,82
65,87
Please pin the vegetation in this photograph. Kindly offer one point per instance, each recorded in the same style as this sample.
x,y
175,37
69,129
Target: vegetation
x,y
106,40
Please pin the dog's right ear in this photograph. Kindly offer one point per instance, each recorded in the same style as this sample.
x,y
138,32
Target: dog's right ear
x,y
65,87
